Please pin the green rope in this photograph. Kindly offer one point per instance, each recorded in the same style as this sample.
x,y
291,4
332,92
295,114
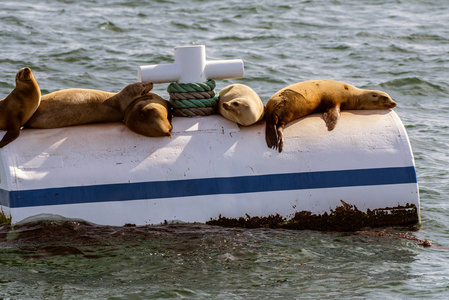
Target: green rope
x,y
191,87
193,99
189,103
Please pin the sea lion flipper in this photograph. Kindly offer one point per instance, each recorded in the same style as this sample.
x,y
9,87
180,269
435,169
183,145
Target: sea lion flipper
x,y
10,136
280,140
271,132
270,135
331,117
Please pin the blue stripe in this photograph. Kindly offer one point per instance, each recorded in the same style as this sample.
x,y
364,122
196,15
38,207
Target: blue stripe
x,y
208,186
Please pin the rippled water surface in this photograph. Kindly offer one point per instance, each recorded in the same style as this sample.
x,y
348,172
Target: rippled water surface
x,y
401,47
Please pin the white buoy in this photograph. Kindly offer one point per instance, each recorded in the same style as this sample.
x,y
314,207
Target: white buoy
x,y
360,174
211,167
191,66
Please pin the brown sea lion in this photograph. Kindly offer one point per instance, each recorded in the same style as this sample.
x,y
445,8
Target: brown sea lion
x,y
328,96
19,105
240,104
149,115
84,106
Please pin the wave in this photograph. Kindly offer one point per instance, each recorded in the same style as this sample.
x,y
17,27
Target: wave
x,y
415,86
51,235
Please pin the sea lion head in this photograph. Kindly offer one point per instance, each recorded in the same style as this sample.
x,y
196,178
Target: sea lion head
x,y
242,111
240,104
24,75
372,99
138,89
147,87
149,115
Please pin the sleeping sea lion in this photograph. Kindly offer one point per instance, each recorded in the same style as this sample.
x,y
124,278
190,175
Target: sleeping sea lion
x,y
84,106
328,96
149,115
240,104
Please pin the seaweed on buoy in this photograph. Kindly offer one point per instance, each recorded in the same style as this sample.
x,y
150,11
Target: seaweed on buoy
x,y
344,218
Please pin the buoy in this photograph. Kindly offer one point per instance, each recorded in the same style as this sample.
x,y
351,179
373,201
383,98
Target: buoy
x,y
211,170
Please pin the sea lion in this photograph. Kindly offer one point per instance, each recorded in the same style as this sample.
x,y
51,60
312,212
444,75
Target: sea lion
x,y
149,115
84,106
328,96
241,104
19,105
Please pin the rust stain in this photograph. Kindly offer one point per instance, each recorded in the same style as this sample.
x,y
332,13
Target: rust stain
x,y
344,218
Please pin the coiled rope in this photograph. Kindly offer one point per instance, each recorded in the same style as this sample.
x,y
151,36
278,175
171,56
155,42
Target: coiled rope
x,y
193,99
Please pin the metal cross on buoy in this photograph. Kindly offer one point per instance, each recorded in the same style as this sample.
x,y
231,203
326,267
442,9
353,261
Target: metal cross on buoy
x,y
191,66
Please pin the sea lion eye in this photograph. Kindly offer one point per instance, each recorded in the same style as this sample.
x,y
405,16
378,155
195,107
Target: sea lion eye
x,y
235,103
375,95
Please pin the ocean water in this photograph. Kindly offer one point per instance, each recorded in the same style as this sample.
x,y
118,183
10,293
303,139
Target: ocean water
x,y
400,47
